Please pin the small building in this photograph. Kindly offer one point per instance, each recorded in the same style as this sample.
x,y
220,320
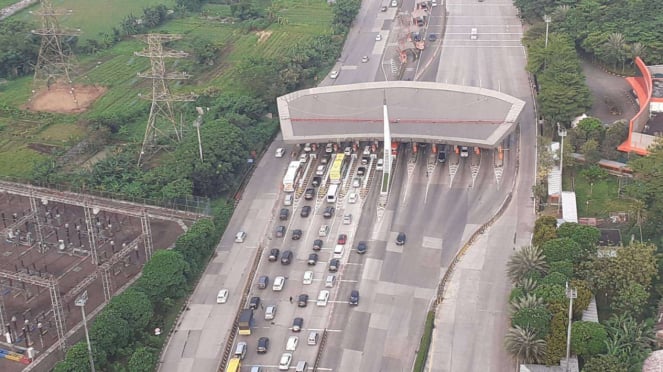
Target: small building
x,y
569,207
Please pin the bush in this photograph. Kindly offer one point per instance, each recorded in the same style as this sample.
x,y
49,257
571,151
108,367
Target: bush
x,y
535,318
588,338
424,346
563,267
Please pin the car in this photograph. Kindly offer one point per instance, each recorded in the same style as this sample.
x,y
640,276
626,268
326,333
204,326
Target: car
x,y
297,324
365,160
263,345
240,236
367,150
296,234
279,152
329,212
361,171
400,238
352,197
286,257
364,59
329,148
383,9
329,282
317,180
308,277
312,338
394,3
338,251
323,297
362,247
287,201
254,302
306,211
283,214
317,244
270,312
380,165
342,238
284,362
347,219
347,151
240,351
303,157
263,280
320,170
273,254
354,297
307,147
432,37
334,265
324,230
291,345
312,259
464,151
441,156
222,296
378,37
356,182
309,193
280,231
302,300
279,282
325,159
333,74
474,34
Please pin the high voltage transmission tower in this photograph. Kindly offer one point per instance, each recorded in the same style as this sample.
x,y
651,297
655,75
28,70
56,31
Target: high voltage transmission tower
x,y
55,62
161,124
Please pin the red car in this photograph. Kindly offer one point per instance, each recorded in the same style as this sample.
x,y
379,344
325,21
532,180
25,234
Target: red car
x,y
342,238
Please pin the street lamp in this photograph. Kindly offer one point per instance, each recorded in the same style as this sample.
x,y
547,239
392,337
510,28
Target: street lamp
x,y
547,19
561,131
571,293
80,302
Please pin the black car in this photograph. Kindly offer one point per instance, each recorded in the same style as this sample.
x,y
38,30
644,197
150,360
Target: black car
x,y
400,239
361,247
329,212
283,215
263,345
303,300
354,297
441,156
280,231
309,194
317,244
365,160
432,37
306,211
254,302
296,234
334,265
273,254
286,257
316,181
361,171
297,324
312,259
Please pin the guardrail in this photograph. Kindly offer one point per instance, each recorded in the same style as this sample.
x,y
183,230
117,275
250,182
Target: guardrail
x,y
321,348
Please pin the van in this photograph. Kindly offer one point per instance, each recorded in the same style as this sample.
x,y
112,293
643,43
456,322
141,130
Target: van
x,y
240,236
323,297
338,251
301,366
324,230
474,34
329,282
312,338
352,197
240,350
287,201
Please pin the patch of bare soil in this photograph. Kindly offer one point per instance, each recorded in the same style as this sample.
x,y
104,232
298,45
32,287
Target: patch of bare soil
x,y
65,99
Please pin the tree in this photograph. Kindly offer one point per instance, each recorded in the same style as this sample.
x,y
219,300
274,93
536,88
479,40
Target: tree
x,y
191,5
614,136
536,319
648,184
545,228
588,338
586,236
584,297
524,345
591,151
631,342
143,359
109,334
563,267
525,301
556,340
604,363
345,11
588,129
561,249
164,276
204,50
134,307
526,260
555,278
551,293
635,263
76,360
630,299
18,55
615,48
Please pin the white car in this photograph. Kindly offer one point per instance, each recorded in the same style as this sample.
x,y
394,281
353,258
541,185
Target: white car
x,y
347,151
333,74
367,150
307,147
364,59
292,343
308,277
347,219
464,152
329,148
284,362
303,158
352,197
320,171
270,312
356,182
323,297
222,296
378,37
279,281
380,165
280,152
240,236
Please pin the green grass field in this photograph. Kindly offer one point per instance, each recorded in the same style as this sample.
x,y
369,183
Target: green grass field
x,y
602,196
6,3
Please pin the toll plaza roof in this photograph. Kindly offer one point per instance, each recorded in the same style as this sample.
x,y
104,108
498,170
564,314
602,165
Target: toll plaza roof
x,y
418,111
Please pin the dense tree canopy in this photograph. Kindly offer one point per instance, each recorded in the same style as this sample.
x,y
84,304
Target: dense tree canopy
x,y
648,187
588,338
18,48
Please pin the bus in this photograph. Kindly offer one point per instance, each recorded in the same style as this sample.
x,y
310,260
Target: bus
x,y
291,176
331,193
234,365
338,168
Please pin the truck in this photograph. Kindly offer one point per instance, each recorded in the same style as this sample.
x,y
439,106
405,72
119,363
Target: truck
x,y
245,322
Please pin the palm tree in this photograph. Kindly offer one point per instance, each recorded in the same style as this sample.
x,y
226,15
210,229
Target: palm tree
x,y
637,50
529,301
525,261
528,285
560,13
615,46
524,345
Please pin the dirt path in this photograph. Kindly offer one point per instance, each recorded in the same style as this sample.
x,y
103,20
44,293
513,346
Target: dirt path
x,y
611,96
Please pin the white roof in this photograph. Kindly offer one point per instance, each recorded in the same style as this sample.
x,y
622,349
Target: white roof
x,y
569,206
554,181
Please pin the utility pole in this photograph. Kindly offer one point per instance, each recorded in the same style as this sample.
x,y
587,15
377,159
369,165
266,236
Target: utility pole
x,y
547,20
80,302
561,131
571,293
